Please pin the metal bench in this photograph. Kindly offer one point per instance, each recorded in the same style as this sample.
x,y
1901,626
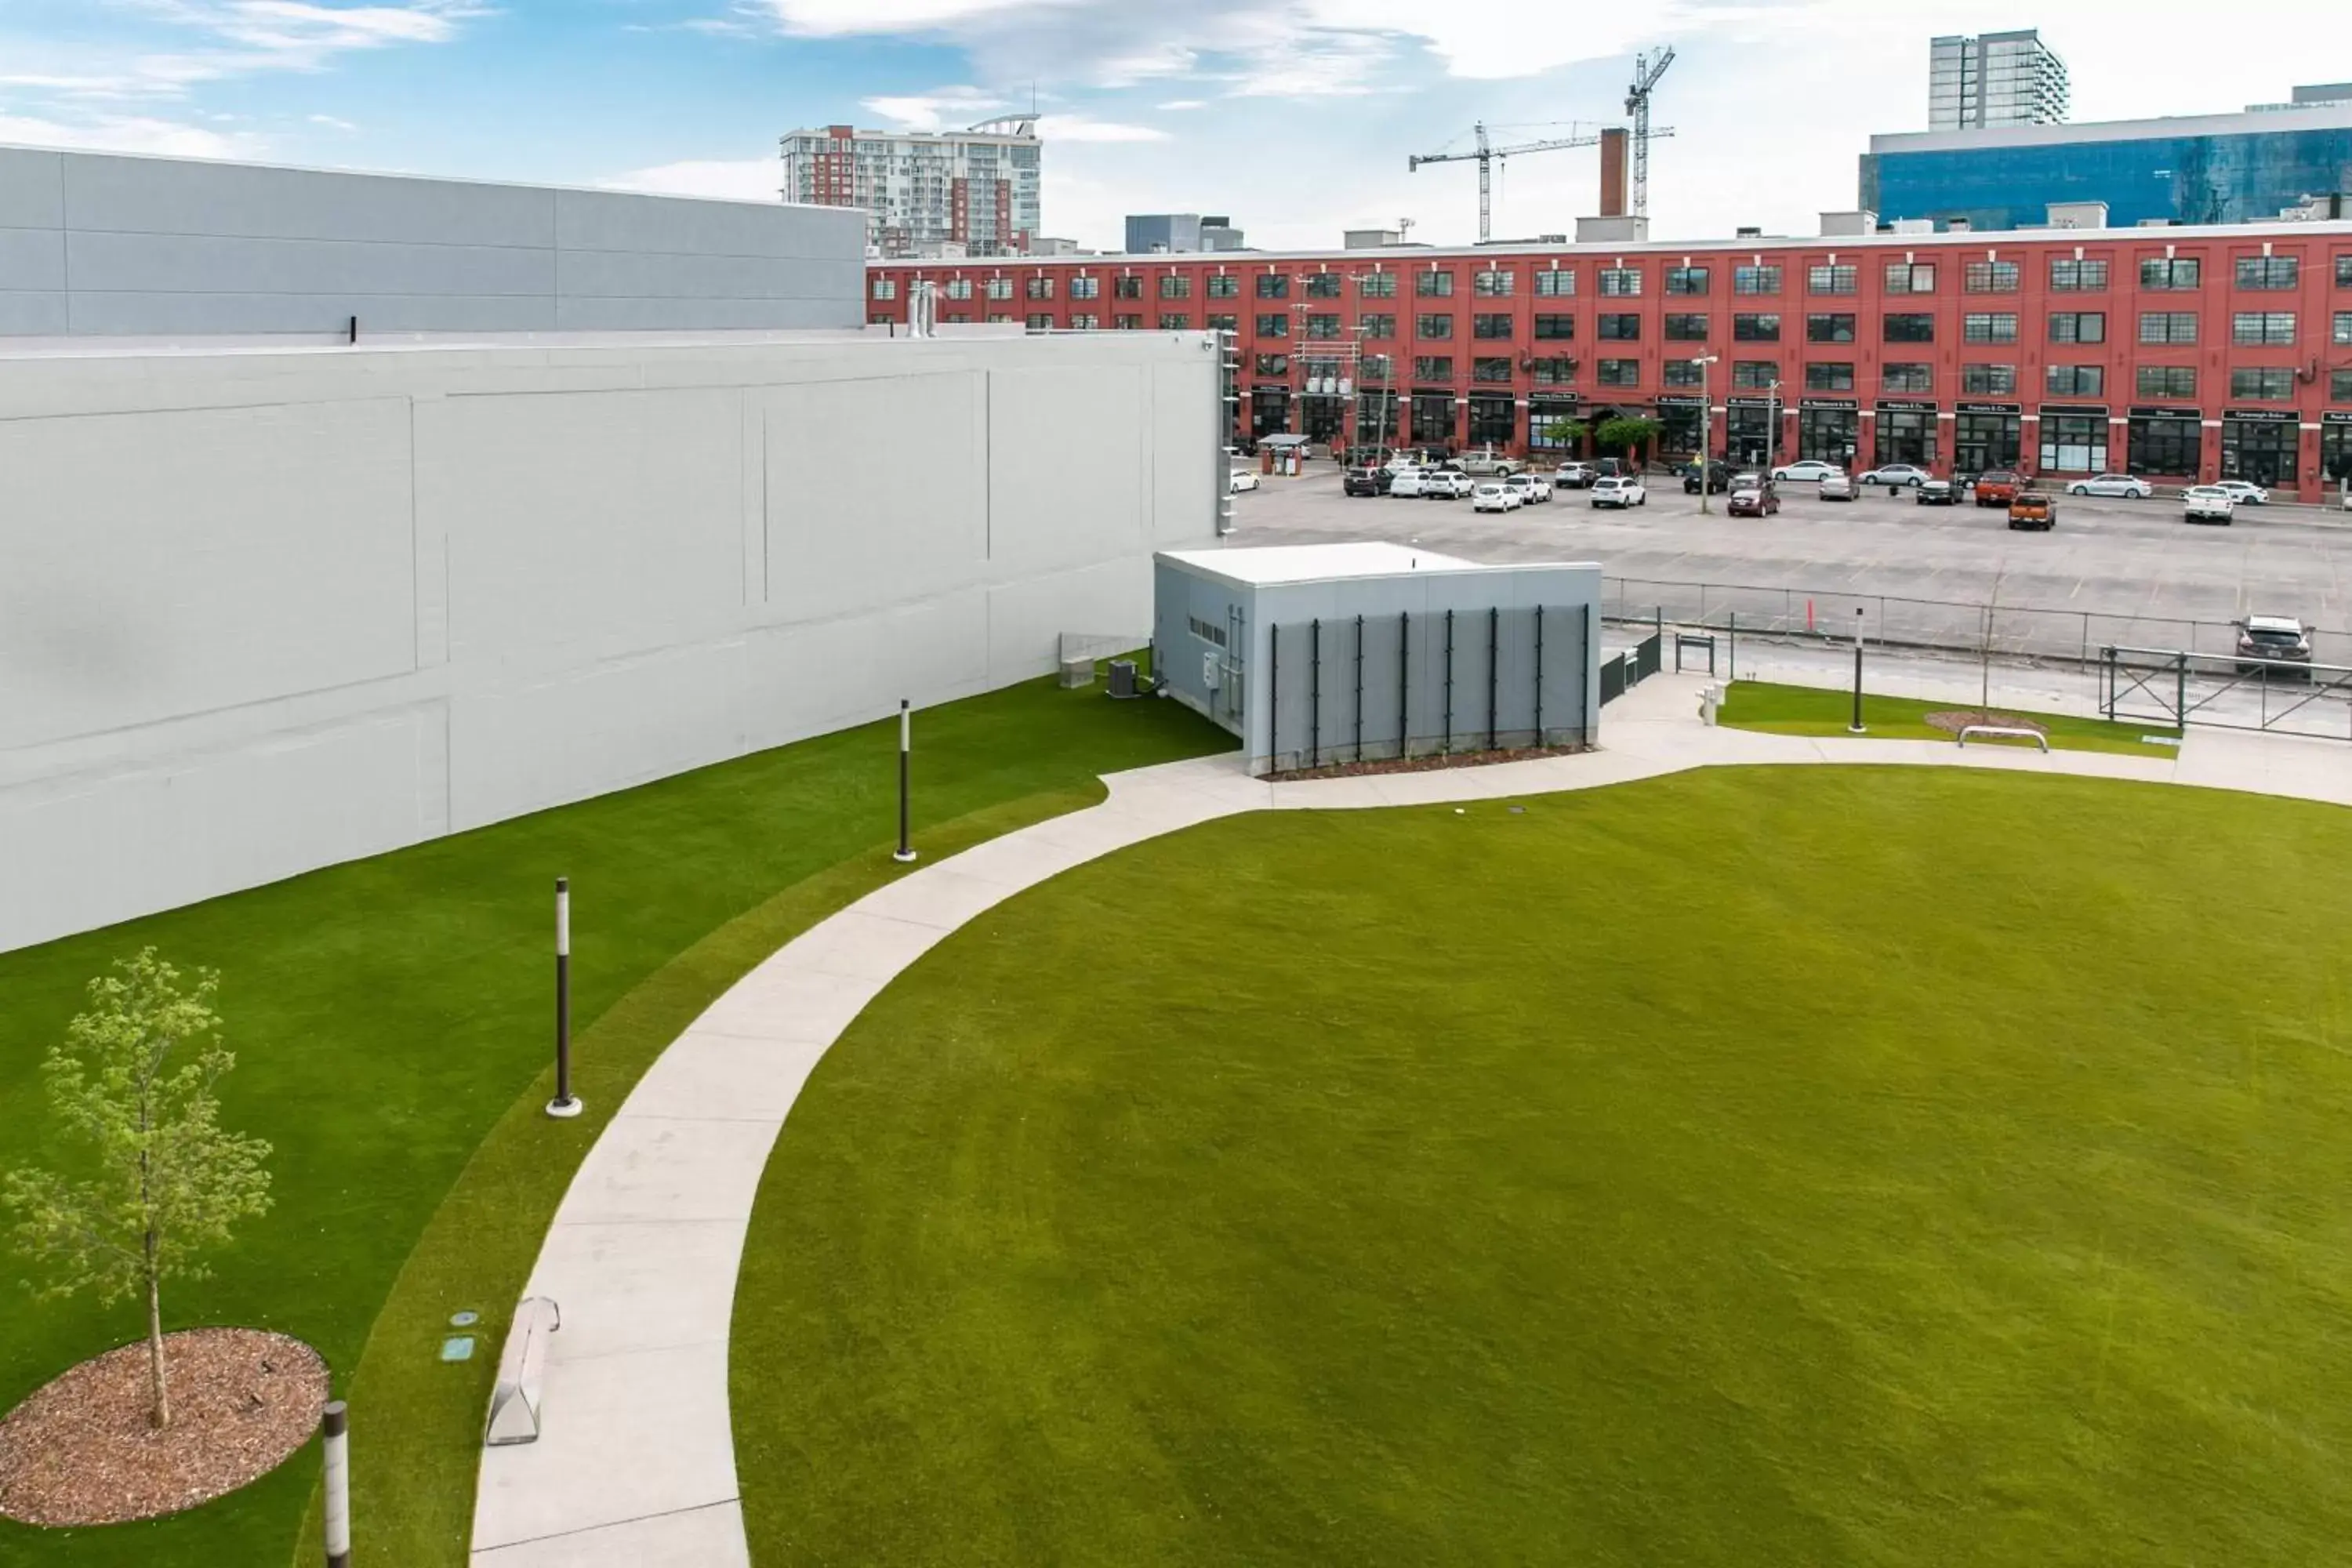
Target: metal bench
x,y
522,1370
2005,731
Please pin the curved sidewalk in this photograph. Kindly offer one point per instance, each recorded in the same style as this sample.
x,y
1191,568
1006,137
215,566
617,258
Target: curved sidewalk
x,y
636,1463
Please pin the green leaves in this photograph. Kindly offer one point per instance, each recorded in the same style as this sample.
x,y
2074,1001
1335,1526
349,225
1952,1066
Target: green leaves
x,y
164,1183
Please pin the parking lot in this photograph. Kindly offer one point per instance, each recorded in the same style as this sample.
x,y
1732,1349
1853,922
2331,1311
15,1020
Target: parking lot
x,y
2128,572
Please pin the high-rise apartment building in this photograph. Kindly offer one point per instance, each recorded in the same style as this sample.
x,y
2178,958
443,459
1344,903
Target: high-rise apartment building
x,y
926,194
1997,79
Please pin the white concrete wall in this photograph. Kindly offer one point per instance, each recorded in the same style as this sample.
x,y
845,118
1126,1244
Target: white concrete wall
x,y
262,611
98,244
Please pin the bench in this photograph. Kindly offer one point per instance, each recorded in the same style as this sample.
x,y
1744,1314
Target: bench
x,y
2005,731
522,1370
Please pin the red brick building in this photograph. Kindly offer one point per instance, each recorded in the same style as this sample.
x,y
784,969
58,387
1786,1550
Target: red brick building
x,y
2179,354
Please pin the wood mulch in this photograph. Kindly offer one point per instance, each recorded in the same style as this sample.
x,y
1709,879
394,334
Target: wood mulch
x,y
1427,763
80,1450
1953,721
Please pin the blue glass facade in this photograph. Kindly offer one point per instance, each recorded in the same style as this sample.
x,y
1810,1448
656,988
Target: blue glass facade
x,y
2240,178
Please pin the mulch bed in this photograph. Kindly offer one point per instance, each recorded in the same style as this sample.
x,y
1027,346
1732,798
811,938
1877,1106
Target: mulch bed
x,y
1426,763
1958,719
80,1451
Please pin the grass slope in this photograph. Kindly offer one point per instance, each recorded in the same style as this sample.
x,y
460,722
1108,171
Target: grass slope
x,y
1811,710
1759,1166
391,1013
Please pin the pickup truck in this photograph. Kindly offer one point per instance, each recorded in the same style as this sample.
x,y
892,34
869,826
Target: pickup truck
x,y
1486,465
1997,487
2032,508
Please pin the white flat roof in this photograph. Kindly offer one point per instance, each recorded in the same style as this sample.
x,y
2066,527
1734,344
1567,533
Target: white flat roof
x,y
1265,564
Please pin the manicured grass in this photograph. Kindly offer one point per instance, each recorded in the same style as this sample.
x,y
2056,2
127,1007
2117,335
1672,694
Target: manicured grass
x,y
390,1017
1810,710
1811,1165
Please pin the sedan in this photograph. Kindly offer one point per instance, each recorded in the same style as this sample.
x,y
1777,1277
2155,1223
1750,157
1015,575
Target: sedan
x,y
1937,492
2127,486
2206,503
1837,487
1494,496
1895,474
1243,479
1620,490
2245,492
1809,470
1754,500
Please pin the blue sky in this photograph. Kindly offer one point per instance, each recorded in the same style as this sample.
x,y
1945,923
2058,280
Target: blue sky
x,y
1293,116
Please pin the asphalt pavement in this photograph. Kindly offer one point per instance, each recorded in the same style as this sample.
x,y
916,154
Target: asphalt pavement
x,y
2111,572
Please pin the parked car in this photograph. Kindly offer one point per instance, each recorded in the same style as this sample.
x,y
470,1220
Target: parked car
x,y
1445,484
2125,487
1492,495
1620,490
1998,487
1408,481
1895,474
2034,509
1754,497
1610,467
1367,481
1486,464
2273,641
2208,503
1937,492
1806,470
1718,479
2245,492
1242,479
1837,487
1530,487
1575,476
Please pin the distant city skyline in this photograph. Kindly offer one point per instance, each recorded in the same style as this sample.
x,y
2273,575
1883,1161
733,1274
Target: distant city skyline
x,y
1293,116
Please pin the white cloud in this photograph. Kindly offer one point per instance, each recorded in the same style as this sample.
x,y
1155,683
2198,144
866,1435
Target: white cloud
x,y
240,37
1178,103
1082,127
129,133
741,180
331,122
938,110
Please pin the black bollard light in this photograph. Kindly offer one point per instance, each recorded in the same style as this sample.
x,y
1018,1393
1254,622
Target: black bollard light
x,y
564,1104
905,850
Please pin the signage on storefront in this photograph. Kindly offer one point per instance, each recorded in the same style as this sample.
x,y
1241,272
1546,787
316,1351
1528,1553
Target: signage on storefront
x,y
2336,416
1677,400
1988,408
2145,411
1751,401
2099,409
1905,406
1826,403
2260,415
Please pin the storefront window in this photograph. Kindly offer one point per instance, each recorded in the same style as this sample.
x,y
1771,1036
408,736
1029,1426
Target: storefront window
x,y
2261,450
1678,428
1545,415
1748,434
1493,418
1982,441
1907,436
1376,418
1269,410
2075,443
2172,448
2335,446
1828,434
1432,418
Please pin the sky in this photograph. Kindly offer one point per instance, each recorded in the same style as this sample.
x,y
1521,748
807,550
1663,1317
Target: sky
x,y
1294,116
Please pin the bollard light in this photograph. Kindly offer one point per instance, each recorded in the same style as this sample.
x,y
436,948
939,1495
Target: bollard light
x,y
334,1435
1855,728
905,850
563,1105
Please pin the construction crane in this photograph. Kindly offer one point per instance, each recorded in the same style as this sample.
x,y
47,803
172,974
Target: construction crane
x,y
1647,69
1486,152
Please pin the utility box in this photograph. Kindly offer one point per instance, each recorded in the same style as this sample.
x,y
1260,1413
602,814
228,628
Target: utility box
x,y
1323,654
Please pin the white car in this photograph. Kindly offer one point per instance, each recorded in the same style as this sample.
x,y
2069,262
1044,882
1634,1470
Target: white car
x,y
1494,496
1808,470
1243,479
1408,481
1619,490
2245,492
2126,486
1897,474
1530,487
2206,503
1445,484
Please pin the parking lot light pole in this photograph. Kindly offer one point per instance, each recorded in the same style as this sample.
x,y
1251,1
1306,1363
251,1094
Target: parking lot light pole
x,y
1706,426
1855,728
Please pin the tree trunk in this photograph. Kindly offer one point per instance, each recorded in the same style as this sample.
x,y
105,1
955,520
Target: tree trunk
x,y
158,1414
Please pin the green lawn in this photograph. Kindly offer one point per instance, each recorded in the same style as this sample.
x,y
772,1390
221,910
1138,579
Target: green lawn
x,y
1821,1165
392,1021
1810,710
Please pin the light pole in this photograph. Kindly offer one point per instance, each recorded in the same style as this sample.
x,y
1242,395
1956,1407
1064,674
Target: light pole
x,y
1772,428
1855,728
1706,427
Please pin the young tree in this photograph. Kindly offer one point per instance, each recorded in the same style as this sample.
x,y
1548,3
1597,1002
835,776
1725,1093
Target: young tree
x,y
1624,432
1566,433
134,1079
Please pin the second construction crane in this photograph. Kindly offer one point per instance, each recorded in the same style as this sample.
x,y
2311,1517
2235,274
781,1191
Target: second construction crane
x,y
1487,152
1647,69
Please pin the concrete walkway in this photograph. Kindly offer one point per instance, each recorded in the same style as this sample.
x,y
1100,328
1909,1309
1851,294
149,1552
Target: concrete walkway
x,y
636,1465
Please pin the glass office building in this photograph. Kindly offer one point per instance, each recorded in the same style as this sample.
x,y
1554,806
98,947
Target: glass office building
x,y
2209,169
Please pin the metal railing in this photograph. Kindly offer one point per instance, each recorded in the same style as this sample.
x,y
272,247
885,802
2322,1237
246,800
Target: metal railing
x,y
2177,687
2015,632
